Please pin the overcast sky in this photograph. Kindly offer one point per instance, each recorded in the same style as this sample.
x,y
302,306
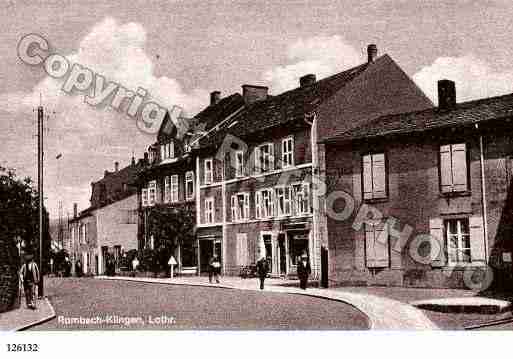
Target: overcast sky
x,y
180,51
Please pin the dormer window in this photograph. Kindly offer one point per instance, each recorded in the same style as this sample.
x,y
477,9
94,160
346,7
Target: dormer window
x,y
167,151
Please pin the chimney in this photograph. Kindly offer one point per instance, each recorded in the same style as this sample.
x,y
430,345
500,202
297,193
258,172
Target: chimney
x,y
372,53
254,93
146,158
106,173
75,210
307,80
215,97
116,166
446,94
133,161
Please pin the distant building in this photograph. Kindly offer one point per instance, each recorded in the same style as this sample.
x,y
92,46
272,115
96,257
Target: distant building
x,y
110,224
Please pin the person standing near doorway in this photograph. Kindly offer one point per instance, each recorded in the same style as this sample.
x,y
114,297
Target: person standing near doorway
x,y
303,270
30,277
262,270
214,268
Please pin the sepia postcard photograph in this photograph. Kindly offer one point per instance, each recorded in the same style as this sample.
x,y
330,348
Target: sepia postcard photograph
x,y
288,176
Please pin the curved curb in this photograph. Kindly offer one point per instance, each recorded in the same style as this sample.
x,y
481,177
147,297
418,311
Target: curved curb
x,y
39,321
405,316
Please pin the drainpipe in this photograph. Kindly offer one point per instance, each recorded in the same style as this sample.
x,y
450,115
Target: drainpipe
x,y
198,212
223,239
483,194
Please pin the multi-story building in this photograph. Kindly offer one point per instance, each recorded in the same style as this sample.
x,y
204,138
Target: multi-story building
x,y
169,178
110,224
83,239
428,196
257,171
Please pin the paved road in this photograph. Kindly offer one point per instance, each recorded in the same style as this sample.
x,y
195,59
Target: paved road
x,y
157,306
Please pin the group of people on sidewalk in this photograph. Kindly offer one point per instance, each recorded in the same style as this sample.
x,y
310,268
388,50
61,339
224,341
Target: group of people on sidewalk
x,y
303,270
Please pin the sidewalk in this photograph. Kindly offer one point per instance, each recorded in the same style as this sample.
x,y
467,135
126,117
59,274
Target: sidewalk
x,y
383,313
23,318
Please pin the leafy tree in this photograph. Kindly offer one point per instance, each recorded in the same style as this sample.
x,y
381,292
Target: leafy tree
x,y
171,227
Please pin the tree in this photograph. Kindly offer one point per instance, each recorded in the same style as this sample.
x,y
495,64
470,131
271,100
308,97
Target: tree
x,y
171,227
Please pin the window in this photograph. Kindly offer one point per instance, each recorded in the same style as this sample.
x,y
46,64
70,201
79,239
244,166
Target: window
x,y
174,188
167,189
189,185
152,192
83,237
301,194
374,176
144,197
209,210
265,203
457,235
240,206
239,163
283,201
242,249
130,216
287,152
208,171
453,168
264,158
376,245
167,150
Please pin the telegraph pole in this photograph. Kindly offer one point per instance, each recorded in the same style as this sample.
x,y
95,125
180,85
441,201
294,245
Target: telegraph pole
x,y
40,157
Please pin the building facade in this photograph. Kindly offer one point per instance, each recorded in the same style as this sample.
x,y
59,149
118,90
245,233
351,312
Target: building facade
x,y
430,193
258,171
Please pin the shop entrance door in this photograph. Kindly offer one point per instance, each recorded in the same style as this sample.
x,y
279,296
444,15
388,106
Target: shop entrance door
x,y
283,253
267,238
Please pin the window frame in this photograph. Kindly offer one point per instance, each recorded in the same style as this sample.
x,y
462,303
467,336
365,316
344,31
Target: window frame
x,y
189,178
281,212
209,210
152,197
305,201
289,153
208,176
240,213
174,188
259,159
460,239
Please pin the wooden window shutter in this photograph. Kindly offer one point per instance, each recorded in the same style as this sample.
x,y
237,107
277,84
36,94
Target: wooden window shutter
x,y
381,242
459,167
378,176
218,170
445,169
477,240
367,177
436,230
370,253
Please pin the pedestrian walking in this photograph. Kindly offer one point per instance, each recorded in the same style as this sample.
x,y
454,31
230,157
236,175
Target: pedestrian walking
x,y
262,270
30,277
214,268
303,270
78,268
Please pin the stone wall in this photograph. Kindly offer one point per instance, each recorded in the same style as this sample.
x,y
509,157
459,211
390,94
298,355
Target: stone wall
x,y
9,261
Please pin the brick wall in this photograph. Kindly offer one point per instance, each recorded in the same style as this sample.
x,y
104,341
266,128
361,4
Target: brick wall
x,y
9,262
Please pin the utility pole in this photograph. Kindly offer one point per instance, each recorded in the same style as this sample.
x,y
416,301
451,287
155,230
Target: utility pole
x,y
40,157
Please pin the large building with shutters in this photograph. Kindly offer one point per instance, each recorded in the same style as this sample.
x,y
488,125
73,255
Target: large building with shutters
x,y
426,196
257,171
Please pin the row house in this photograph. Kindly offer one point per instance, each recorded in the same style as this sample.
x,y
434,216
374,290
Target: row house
x,y
257,170
445,172
83,241
169,177
110,224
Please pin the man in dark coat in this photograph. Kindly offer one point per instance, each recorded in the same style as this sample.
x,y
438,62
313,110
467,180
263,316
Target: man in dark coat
x,y
214,268
30,277
262,270
303,270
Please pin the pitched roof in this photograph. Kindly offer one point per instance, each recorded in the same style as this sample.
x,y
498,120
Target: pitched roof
x,y
110,188
465,113
286,107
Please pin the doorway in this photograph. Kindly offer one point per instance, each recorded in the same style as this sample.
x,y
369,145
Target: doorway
x,y
206,251
282,253
268,245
